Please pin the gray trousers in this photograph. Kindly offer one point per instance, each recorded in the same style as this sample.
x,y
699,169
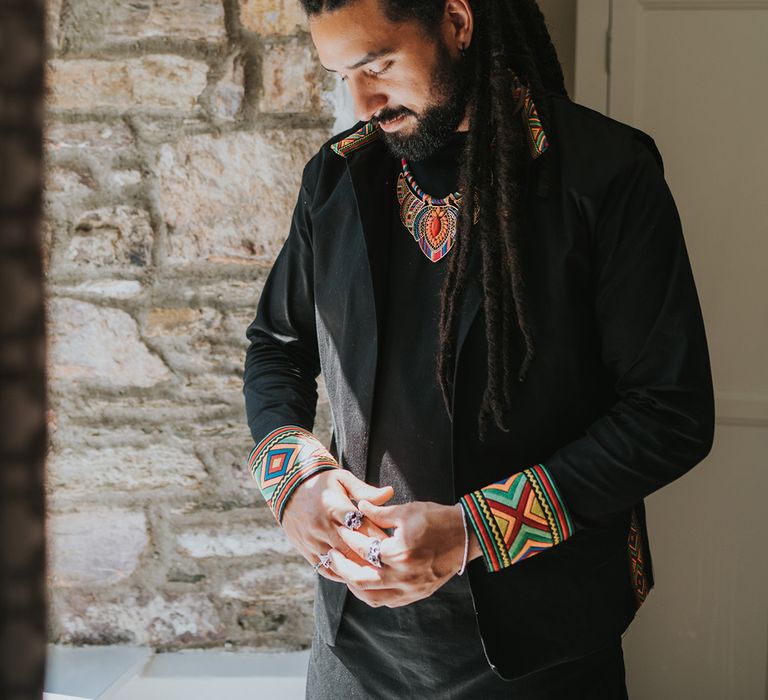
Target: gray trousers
x,y
376,662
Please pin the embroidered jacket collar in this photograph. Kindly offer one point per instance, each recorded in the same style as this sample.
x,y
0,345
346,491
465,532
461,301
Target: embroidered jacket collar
x,y
537,139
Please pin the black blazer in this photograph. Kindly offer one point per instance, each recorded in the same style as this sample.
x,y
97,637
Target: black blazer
x,y
618,400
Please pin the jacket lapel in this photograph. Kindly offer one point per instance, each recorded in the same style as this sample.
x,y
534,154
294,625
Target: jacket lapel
x,y
371,171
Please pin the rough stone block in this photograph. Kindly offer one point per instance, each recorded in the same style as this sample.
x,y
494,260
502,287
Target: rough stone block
x,y
292,78
231,293
124,468
236,322
118,179
272,581
52,23
267,17
174,321
154,81
181,19
235,540
67,185
87,136
143,410
67,191
113,237
104,289
230,198
228,458
214,387
193,340
101,24
230,89
188,619
99,346
290,620
99,547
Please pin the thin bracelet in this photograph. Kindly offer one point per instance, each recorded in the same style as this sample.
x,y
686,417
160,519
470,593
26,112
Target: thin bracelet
x,y
466,541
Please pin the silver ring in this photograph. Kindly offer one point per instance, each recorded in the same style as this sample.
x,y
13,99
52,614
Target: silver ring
x,y
353,519
325,560
374,552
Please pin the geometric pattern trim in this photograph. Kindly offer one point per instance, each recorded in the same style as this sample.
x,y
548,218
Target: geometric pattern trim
x,y
283,460
537,139
363,136
517,517
637,560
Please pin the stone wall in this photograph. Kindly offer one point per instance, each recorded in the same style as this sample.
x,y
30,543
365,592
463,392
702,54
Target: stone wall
x,y
175,136
176,132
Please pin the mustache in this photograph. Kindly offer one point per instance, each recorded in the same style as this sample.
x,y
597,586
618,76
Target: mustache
x,y
389,115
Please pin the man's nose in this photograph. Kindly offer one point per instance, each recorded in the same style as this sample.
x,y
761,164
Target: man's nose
x,y
366,99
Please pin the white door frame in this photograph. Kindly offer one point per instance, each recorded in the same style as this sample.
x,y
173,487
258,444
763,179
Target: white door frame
x,y
593,31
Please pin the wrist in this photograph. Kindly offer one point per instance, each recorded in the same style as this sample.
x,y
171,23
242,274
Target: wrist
x,y
464,539
475,551
283,460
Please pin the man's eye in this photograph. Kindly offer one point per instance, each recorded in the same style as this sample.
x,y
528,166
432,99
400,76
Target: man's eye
x,y
372,73
382,71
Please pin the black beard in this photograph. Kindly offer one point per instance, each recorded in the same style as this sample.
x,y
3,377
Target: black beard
x,y
438,122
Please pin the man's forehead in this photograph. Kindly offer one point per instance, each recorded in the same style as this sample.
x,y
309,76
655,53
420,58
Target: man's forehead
x,y
351,36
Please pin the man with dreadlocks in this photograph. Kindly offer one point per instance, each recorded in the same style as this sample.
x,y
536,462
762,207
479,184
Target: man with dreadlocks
x,y
507,269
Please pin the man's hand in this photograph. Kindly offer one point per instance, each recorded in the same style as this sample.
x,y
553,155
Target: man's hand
x,y
425,550
315,513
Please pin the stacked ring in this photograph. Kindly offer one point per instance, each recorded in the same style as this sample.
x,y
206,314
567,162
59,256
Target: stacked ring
x,y
353,519
325,560
374,552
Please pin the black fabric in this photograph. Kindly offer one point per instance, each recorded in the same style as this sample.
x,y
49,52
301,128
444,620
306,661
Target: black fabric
x,y
431,648
618,401
410,435
600,675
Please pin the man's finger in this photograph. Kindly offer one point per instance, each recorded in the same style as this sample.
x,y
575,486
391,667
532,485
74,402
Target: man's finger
x,y
337,543
359,490
327,573
383,516
390,548
338,505
389,597
364,577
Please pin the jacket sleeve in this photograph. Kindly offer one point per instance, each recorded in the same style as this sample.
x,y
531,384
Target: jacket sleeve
x,y
281,369
653,344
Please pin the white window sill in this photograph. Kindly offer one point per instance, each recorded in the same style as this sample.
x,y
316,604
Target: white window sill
x,y
137,673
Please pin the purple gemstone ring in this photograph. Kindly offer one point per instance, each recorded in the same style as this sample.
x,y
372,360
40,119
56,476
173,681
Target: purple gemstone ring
x,y
353,519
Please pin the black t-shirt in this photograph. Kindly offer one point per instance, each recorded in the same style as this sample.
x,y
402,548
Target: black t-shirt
x,y
409,445
430,648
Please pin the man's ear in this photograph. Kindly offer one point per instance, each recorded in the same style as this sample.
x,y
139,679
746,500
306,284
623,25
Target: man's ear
x,y
459,23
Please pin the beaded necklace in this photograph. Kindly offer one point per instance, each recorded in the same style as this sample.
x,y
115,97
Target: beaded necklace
x,y
430,220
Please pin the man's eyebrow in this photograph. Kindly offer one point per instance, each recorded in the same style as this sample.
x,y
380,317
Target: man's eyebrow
x,y
370,56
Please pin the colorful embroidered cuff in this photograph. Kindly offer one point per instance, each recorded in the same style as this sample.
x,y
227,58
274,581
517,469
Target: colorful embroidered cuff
x,y
283,460
517,517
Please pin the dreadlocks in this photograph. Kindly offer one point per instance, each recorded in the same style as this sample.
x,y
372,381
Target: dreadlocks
x,y
509,38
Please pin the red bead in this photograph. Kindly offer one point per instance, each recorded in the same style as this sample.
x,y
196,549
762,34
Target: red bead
x,y
435,225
